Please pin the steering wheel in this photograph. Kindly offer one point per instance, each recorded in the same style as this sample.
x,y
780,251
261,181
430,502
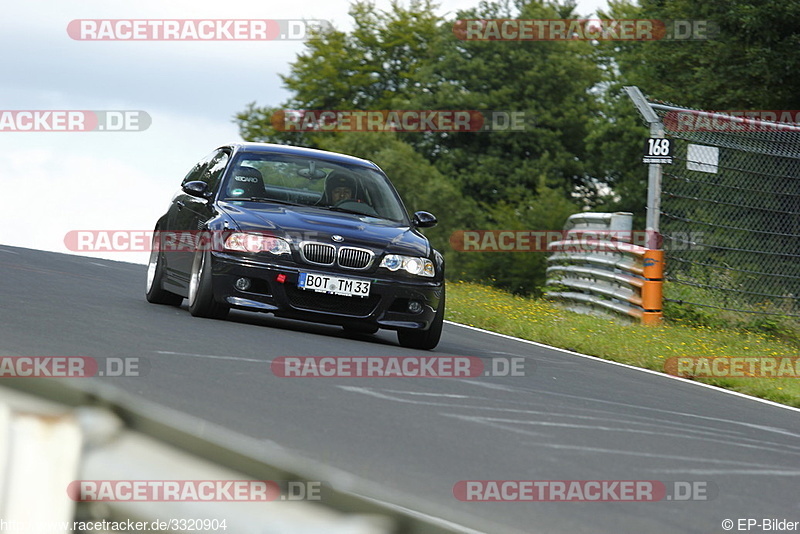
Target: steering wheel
x,y
350,204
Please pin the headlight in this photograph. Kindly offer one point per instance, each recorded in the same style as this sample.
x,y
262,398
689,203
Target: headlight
x,y
418,266
241,242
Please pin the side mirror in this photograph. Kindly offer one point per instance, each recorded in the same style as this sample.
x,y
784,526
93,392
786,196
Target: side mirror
x,y
423,219
196,189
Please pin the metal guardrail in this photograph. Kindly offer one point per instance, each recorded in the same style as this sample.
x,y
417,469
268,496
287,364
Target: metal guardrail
x,y
76,429
597,265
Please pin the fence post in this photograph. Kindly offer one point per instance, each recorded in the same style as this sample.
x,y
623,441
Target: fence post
x,y
652,291
654,169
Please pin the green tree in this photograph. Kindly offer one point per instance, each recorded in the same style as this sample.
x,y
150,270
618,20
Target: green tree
x,y
522,273
373,68
752,63
549,81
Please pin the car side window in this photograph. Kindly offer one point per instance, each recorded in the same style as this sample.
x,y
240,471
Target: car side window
x,y
196,172
213,171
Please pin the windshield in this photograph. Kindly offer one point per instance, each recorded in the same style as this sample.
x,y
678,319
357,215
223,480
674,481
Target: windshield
x,y
313,182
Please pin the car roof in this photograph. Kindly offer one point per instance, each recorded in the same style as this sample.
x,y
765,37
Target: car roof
x,y
302,151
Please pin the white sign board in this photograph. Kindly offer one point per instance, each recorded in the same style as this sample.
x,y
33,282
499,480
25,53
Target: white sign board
x,y
702,158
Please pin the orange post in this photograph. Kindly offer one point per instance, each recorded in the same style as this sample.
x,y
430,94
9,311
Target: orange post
x,y
652,290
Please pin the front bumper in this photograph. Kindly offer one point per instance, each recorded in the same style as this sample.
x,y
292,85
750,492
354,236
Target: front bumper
x,y
386,306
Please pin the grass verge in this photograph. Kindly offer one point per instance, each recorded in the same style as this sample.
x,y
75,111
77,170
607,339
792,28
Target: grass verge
x,y
648,347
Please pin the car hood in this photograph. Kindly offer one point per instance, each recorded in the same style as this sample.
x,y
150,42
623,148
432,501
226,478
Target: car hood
x,y
300,223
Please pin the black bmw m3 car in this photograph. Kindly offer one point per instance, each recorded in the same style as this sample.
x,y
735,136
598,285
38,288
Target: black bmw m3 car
x,y
300,233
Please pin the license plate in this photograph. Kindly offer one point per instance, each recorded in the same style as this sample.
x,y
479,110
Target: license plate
x,y
334,285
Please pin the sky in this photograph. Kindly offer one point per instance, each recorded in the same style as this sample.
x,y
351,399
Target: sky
x,y
57,182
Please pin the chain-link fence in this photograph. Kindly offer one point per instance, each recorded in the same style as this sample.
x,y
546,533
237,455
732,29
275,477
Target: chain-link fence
x,y
730,208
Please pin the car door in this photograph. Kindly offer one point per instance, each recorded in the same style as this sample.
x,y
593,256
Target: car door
x,y
186,213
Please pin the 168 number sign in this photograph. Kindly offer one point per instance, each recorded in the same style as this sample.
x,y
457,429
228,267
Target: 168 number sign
x,y
658,150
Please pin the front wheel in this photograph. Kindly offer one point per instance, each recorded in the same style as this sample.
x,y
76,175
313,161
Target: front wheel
x,y
425,339
155,293
201,293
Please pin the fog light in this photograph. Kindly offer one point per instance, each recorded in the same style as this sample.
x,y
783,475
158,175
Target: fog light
x,y
242,284
414,306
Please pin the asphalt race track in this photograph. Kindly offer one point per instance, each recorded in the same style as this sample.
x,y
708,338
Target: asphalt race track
x,y
569,418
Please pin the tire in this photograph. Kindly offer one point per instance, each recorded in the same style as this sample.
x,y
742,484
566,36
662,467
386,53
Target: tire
x,y
425,339
201,292
154,291
361,329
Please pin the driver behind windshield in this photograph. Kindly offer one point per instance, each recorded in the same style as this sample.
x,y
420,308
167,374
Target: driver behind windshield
x,y
339,187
